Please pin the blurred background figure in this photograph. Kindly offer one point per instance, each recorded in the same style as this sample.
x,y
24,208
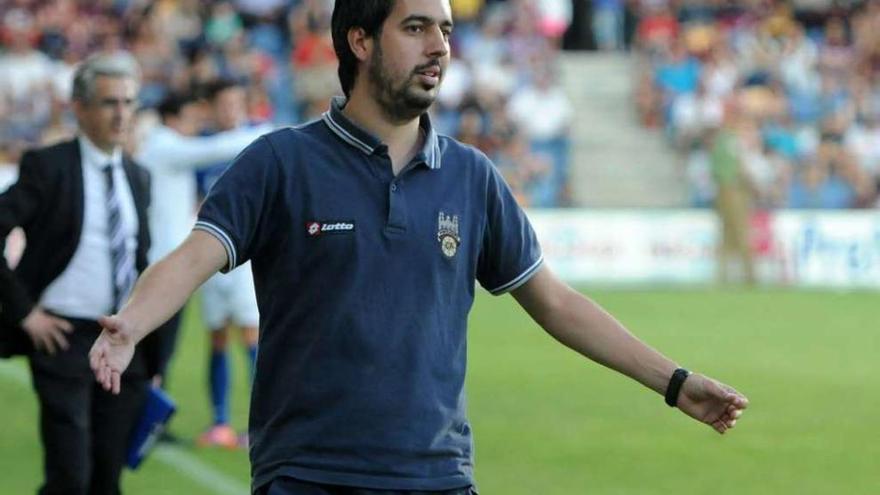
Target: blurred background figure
x,y
228,299
733,201
82,204
172,150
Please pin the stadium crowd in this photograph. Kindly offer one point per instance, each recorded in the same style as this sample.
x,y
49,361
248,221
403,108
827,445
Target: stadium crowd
x,y
500,95
794,84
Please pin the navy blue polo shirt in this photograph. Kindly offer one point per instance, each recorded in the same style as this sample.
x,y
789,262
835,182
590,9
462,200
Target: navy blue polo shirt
x,y
364,282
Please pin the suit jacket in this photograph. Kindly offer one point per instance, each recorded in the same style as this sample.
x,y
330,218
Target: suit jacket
x,y
47,203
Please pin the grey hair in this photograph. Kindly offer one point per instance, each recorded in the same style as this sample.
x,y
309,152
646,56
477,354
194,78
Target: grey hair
x,y
116,64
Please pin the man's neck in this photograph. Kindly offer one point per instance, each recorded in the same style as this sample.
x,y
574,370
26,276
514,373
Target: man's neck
x,y
107,149
402,138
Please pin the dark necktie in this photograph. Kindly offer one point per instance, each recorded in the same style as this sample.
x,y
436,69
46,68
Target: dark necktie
x,y
122,261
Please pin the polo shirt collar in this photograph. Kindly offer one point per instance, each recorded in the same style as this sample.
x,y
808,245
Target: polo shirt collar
x,y
351,133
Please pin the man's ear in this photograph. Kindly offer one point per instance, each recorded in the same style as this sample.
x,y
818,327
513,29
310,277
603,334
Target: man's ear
x,y
361,44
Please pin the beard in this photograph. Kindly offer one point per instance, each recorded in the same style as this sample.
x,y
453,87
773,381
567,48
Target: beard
x,y
403,100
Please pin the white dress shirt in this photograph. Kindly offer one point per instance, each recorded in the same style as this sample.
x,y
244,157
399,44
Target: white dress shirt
x,y
172,159
85,289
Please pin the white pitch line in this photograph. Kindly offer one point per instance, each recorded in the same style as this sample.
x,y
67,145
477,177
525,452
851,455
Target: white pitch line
x,y
173,457
198,471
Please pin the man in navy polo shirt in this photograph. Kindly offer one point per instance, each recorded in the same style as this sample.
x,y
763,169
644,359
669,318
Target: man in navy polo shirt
x,y
367,232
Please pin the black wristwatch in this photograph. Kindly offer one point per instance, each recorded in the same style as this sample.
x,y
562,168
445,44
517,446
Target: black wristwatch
x,y
674,387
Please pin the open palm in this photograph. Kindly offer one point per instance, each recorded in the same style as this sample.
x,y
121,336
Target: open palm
x,y
111,354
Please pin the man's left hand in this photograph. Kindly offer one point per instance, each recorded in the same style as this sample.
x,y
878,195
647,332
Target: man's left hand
x,y
714,403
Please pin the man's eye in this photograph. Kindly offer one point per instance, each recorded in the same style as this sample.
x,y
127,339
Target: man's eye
x,y
415,29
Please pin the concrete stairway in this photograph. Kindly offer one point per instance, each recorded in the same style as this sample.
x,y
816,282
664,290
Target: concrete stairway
x,y
615,162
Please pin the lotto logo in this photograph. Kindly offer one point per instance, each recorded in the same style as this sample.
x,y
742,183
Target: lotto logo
x,y
314,229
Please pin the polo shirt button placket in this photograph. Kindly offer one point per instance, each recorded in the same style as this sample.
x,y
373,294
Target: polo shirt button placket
x,y
396,208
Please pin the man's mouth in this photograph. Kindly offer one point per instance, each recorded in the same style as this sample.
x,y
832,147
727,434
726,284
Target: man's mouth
x,y
430,75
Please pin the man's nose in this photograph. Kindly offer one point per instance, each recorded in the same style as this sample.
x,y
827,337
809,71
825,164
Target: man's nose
x,y
438,43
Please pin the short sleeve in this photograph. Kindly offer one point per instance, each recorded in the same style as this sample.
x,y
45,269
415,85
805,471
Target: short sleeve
x,y
238,208
510,253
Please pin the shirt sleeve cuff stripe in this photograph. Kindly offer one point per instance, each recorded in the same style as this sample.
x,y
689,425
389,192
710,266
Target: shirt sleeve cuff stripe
x,y
224,239
519,280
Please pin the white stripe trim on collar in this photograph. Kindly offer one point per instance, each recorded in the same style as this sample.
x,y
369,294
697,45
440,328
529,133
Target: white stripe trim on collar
x,y
345,135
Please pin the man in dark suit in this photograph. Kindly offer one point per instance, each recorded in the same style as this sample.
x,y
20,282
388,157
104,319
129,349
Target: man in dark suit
x,y
82,205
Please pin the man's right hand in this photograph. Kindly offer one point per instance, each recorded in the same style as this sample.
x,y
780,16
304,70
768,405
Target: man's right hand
x,y
46,331
112,352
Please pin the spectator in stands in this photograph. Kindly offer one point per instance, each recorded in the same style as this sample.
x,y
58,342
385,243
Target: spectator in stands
x,y
553,18
702,188
524,38
530,174
844,185
808,187
836,53
466,13
693,114
488,46
472,129
57,128
159,57
777,131
862,141
544,113
678,74
608,24
798,65
26,91
314,62
720,74
223,25
657,29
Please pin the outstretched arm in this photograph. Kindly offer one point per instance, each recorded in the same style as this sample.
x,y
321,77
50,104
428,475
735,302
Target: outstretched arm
x,y
196,152
160,292
582,325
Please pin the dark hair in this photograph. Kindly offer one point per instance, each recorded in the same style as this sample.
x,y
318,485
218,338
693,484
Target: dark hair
x,y
210,90
368,15
173,103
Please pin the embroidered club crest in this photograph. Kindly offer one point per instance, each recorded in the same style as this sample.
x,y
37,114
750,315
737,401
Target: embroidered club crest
x,y
447,234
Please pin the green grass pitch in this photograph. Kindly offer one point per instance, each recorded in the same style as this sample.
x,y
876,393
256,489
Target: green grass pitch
x,y
548,422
